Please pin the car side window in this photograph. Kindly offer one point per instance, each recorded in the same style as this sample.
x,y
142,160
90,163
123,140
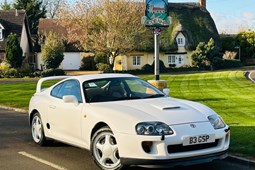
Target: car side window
x,y
55,90
69,87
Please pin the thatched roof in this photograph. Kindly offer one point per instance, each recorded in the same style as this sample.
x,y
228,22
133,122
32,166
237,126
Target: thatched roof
x,y
193,20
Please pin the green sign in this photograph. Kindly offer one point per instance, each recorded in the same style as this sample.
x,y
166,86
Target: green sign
x,y
156,14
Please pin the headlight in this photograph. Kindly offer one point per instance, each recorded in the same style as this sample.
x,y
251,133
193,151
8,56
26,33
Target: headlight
x,y
153,128
216,121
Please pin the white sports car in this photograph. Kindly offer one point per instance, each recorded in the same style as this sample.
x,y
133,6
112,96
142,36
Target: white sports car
x,y
123,120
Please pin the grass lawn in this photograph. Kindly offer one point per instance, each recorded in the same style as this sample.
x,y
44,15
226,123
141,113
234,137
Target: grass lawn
x,y
227,92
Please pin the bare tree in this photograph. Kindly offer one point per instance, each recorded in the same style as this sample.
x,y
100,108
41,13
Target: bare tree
x,y
52,7
105,26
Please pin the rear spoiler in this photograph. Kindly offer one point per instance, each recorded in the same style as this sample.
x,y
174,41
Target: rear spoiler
x,y
39,83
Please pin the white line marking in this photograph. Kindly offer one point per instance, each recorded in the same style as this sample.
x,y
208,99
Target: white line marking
x,y
42,161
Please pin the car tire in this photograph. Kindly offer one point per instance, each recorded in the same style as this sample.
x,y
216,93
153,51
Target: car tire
x,y
37,130
104,150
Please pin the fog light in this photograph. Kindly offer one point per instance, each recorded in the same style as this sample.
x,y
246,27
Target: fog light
x,y
147,146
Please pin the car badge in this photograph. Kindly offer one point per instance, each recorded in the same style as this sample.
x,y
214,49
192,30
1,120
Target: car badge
x,y
192,125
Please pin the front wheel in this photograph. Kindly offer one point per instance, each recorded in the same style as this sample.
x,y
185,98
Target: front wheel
x,y
37,130
104,150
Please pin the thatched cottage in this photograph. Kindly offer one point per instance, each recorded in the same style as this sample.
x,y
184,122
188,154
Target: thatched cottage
x,y
191,24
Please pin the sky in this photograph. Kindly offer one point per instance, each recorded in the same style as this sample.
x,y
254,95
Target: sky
x,y
230,16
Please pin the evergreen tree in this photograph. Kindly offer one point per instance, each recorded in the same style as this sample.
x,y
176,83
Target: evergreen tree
x,y
52,51
206,54
6,5
34,9
13,51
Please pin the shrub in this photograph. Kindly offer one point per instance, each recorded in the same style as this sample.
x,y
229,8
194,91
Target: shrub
x,y
6,71
104,67
222,63
25,69
100,58
52,72
52,51
162,67
87,63
147,68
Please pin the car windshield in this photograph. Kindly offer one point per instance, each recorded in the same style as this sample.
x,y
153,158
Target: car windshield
x,y
115,89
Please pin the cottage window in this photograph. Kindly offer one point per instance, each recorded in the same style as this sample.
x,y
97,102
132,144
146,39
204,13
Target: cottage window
x,y
136,60
171,59
180,41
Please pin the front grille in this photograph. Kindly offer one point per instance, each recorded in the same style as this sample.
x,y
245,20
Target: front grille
x,y
181,148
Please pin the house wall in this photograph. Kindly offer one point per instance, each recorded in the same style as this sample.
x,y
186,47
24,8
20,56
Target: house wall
x,y
72,61
148,58
181,57
24,42
181,47
2,56
145,58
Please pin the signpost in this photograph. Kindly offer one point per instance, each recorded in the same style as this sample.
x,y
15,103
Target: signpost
x,y
156,17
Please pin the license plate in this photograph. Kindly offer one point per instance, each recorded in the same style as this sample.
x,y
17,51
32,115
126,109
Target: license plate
x,y
200,139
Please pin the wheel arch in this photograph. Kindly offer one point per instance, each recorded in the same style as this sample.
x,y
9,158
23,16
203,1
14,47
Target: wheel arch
x,y
31,116
98,126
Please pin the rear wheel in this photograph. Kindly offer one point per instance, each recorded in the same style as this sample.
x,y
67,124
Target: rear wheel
x,y
104,150
37,130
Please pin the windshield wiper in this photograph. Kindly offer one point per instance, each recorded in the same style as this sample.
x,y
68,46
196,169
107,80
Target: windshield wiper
x,y
154,96
126,98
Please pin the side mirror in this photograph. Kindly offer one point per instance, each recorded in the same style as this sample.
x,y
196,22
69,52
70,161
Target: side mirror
x,y
166,91
71,99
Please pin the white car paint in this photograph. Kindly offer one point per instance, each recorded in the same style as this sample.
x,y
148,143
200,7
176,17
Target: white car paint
x,y
73,123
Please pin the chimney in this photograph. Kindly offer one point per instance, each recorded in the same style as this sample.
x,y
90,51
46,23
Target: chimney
x,y
16,13
202,3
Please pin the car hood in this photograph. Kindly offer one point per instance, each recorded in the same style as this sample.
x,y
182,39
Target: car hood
x,y
168,110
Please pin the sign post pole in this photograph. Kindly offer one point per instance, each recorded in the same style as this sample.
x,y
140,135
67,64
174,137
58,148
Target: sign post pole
x,y
156,52
156,17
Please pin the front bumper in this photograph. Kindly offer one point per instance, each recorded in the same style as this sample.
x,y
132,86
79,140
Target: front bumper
x,y
168,163
170,150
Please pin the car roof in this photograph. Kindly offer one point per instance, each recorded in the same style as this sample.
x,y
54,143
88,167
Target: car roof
x,y
87,77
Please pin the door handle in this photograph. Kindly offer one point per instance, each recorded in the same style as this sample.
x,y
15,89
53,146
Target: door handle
x,y
52,106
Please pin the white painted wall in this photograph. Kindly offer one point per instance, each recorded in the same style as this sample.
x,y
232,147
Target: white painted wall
x,y
72,61
24,44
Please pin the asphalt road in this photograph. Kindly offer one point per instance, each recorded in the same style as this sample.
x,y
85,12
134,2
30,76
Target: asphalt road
x,y
18,151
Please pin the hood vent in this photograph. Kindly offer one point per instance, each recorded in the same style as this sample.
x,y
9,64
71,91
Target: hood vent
x,y
171,107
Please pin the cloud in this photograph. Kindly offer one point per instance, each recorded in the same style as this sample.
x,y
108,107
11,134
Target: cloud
x,y
234,24
249,16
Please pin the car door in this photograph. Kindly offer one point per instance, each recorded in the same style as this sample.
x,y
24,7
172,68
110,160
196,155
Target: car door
x,y
65,118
